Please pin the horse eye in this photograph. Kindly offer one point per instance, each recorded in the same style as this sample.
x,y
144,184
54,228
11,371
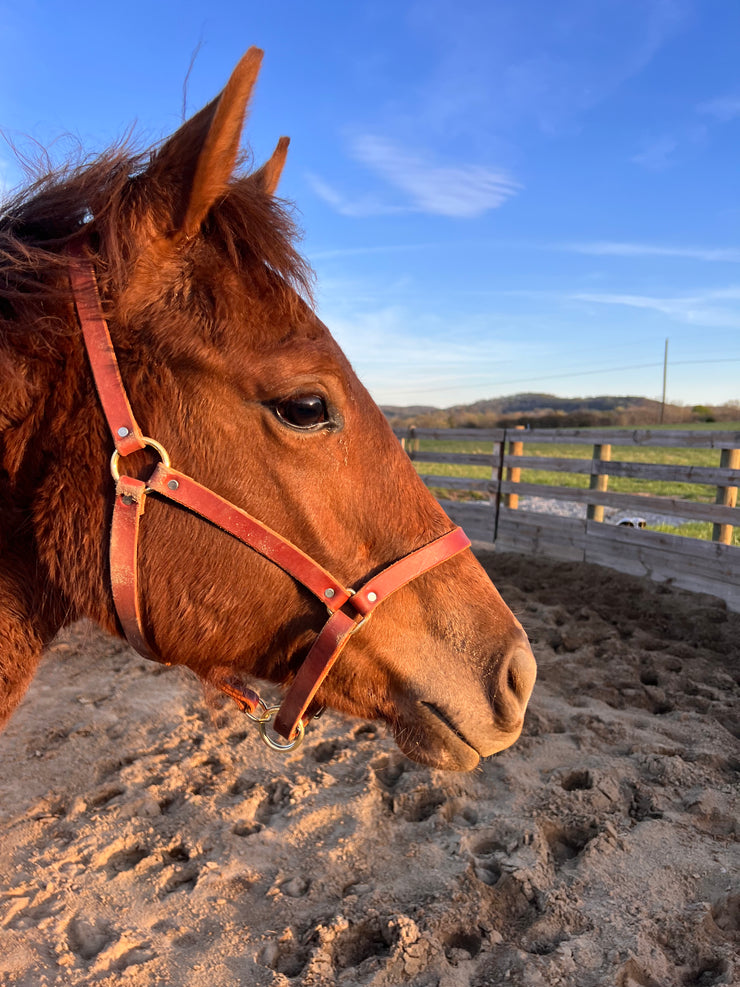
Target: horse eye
x,y
303,411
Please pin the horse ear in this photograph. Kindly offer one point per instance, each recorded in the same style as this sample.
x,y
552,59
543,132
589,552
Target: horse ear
x,y
199,159
268,176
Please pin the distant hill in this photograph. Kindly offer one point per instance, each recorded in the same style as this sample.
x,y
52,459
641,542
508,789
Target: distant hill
x,y
517,404
550,411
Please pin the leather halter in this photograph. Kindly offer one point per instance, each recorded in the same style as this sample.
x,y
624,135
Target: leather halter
x,y
348,609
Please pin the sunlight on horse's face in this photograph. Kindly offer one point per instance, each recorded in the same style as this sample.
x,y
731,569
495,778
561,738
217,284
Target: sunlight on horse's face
x,y
261,405
234,375
253,398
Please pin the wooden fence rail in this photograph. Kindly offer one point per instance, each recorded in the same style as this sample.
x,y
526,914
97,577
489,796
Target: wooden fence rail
x,y
492,507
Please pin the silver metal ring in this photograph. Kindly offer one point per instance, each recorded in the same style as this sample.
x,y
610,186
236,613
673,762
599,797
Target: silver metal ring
x,y
263,716
150,443
275,745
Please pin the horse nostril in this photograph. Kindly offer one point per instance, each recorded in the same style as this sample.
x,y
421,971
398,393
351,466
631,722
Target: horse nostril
x,y
515,683
521,672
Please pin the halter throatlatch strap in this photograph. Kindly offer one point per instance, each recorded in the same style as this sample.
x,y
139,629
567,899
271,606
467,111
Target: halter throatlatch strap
x,y
348,609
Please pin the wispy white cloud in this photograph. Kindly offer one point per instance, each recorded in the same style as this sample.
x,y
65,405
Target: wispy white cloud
x,y
445,190
722,109
508,66
379,248
607,248
658,154
711,308
411,354
345,205
663,151
416,183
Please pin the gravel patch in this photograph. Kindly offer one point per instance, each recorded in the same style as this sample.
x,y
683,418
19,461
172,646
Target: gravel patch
x,y
564,508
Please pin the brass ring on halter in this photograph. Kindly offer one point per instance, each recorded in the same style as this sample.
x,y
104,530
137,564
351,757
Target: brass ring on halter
x,y
275,745
151,443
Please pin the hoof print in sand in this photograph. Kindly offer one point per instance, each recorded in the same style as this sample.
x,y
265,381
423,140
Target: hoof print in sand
x,y
328,750
420,805
104,796
390,769
179,872
277,798
462,946
725,916
711,973
567,842
123,855
86,938
488,853
295,887
580,780
246,828
127,952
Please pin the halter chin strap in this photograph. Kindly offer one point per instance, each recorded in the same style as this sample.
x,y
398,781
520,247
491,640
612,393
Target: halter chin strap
x,y
348,609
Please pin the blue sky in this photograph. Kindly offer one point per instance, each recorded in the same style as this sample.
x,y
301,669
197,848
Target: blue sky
x,y
497,196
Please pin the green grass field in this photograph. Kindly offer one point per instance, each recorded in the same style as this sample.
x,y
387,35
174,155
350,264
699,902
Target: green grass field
x,y
658,488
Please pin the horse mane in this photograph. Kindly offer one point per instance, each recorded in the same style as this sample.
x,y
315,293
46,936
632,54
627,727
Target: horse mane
x,y
106,201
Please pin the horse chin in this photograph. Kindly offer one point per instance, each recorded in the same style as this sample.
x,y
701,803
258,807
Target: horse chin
x,y
434,741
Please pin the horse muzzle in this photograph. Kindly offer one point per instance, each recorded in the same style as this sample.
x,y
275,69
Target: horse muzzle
x,y
454,731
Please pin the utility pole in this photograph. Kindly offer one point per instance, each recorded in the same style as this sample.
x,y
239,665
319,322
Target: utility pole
x,y
665,378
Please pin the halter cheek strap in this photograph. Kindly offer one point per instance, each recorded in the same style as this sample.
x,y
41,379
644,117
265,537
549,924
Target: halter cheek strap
x,y
348,609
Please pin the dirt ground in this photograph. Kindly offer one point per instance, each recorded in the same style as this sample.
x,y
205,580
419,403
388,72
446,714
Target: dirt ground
x,y
148,840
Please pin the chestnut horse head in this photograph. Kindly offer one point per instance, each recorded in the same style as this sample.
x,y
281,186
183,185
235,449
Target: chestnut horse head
x,y
228,369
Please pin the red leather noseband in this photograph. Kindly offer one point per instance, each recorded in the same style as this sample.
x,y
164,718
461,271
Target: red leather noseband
x,y
348,609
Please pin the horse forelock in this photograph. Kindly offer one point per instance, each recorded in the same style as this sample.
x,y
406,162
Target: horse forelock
x,y
121,207
118,205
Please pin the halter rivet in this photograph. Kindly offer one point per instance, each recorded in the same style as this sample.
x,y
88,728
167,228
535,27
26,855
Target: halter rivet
x,y
173,484
127,499
372,597
329,593
122,432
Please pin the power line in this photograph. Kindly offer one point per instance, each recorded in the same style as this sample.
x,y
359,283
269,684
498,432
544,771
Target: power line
x,y
567,374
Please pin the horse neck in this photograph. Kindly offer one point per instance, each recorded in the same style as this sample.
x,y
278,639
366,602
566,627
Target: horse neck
x,y
24,628
39,361
27,620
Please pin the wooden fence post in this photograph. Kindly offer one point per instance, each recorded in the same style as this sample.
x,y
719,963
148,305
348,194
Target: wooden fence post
x,y
411,443
497,474
729,459
514,473
598,481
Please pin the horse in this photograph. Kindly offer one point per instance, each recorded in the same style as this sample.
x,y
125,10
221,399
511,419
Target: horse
x,y
154,310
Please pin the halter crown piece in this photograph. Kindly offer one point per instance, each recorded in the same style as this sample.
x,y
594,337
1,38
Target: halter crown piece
x,y
348,609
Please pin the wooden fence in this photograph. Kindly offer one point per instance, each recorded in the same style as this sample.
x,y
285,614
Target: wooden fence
x,y
527,526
